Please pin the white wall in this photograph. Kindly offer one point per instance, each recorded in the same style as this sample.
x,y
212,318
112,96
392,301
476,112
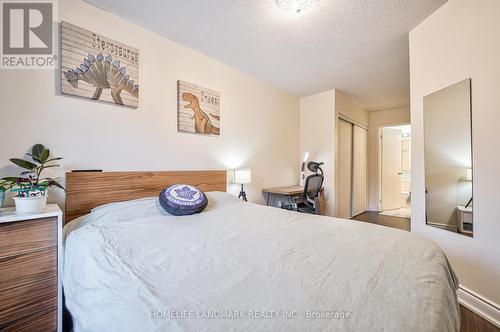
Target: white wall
x,y
377,120
317,136
347,106
458,41
258,129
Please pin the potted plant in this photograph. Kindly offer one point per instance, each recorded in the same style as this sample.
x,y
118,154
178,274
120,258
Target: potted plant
x,y
30,187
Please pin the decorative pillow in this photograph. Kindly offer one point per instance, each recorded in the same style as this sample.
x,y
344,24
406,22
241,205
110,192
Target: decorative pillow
x,y
183,199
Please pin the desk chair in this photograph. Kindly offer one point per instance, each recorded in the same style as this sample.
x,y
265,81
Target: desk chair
x,y
310,196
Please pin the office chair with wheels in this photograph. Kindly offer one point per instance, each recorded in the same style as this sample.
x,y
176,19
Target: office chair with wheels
x,y
312,189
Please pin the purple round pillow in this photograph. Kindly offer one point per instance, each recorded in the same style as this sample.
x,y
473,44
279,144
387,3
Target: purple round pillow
x,y
183,199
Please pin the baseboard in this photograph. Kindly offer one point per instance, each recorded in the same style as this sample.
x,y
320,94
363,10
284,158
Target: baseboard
x,y
485,308
447,227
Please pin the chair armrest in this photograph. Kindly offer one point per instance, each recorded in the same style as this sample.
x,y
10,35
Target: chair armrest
x,y
317,206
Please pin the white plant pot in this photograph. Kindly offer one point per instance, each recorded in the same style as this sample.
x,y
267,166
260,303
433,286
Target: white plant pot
x,y
30,204
2,197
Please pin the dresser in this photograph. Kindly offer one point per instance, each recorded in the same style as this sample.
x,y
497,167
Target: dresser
x,y
30,261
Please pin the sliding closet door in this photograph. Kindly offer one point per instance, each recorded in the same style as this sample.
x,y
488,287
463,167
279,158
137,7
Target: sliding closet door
x,y
359,170
344,174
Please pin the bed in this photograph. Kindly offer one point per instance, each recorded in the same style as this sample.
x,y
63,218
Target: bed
x,y
129,266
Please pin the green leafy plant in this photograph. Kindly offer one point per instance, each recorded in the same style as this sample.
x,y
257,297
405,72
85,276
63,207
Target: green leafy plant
x,y
30,182
6,185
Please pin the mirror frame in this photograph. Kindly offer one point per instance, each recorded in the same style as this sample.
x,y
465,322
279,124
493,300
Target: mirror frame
x,y
470,117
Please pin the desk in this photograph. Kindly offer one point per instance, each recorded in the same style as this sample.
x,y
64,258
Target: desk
x,y
280,196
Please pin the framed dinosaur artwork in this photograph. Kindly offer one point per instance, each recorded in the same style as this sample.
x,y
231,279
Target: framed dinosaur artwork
x,y
98,68
198,109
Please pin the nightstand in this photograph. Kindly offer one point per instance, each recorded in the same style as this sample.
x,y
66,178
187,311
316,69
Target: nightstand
x,y
464,215
30,261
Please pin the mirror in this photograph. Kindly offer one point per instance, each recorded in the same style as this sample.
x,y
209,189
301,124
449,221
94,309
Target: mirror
x,y
448,158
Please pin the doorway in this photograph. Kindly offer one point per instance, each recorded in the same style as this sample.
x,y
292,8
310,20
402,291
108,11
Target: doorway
x,y
395,171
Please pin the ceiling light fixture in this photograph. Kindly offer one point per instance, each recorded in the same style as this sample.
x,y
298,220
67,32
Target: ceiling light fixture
x,y
296,6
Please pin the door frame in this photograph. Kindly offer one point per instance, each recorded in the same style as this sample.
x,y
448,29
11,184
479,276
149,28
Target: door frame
x,y
366,171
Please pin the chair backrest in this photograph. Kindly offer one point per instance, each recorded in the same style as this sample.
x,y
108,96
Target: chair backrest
x,y
312,188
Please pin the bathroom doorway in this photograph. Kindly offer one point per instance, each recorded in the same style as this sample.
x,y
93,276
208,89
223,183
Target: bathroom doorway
x,y
395,171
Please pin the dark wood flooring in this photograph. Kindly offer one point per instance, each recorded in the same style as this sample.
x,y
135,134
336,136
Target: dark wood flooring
x,y
470,321
376,218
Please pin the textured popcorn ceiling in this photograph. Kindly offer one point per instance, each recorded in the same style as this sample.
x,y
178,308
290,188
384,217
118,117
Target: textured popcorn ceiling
x,y
357,46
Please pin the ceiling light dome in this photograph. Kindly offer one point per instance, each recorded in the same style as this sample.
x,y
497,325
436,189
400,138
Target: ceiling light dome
x,y
296,6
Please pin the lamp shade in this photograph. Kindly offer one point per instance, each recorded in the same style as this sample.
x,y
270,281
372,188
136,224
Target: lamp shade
x,y
242,176
469,174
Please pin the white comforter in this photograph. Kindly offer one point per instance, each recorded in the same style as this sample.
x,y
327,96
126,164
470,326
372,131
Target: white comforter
x,y
239,266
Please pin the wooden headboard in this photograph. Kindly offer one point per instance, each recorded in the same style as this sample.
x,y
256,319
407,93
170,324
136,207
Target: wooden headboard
x,y
86,190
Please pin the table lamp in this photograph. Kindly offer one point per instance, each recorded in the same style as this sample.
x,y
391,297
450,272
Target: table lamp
x,y
469,178
242,176
303,170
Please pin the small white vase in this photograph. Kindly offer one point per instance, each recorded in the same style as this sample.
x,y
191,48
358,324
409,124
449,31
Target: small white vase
x,y
30,204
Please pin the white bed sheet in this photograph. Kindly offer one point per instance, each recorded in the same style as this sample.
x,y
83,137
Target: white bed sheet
x,y
130,266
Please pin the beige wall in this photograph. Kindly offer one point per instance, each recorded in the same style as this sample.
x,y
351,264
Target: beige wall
x,y
458,41
317,136
347,106
318,132
377,120
258,130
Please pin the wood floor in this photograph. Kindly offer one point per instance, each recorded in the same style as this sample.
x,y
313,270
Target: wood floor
x,y
470,322
389,221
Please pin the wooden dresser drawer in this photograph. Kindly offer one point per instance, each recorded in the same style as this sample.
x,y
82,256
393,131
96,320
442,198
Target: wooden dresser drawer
x,y
27,268
44,321
25,236
26,300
